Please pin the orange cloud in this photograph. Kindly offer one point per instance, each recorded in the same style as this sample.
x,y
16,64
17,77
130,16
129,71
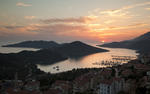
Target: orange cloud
x,y
109,21
85,19
21,4
119,14
129,26
147,8
136,5
92,27
19,30
106,28
62,28
29,17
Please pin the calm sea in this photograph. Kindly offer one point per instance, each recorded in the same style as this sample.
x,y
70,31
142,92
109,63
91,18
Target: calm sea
x,y
84,62
87,61
11,49
14,50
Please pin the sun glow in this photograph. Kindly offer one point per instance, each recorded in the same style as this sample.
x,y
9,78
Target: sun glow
x,y
103,41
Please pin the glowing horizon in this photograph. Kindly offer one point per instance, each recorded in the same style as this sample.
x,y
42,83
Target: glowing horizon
x,y
94,21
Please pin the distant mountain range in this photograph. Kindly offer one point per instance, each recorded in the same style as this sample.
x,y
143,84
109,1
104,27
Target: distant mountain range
x,y
34,44
52,54
141,43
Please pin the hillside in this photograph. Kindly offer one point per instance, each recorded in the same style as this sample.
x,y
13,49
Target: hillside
x,y
34,44
51,55
17,62
141,43
77,49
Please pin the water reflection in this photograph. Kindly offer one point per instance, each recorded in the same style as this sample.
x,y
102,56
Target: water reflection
x,y
15,50
87,61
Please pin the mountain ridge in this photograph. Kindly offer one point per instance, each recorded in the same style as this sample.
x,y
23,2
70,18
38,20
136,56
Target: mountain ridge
x,y
77,49
140,43
40,44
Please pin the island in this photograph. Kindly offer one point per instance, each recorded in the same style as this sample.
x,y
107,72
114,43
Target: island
x,y
39,44
14,62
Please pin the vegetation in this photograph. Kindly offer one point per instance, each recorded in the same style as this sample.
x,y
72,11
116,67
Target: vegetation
x,y
8,71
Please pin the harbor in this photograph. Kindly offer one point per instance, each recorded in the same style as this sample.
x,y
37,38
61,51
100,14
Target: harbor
x,y
115,61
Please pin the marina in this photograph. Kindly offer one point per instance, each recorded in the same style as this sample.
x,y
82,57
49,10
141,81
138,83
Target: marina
x,y
115,61
114,57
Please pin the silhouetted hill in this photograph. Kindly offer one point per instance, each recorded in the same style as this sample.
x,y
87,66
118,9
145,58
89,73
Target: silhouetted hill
x,y
16,62
51,55
141,43
143,37
12,63
34,57
77,49
34,44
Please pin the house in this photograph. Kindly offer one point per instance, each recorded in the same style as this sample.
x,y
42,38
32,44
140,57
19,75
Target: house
x,y
147,78
14,91
84,82
35,92
111,86
81,84
64,86
52,91
148,73
130,86
119,84
90,80
141,67
32,85
126,72
106,87
144,58
105,73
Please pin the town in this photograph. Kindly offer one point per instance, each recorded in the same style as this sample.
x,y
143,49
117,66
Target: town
x,y
74,46
129,78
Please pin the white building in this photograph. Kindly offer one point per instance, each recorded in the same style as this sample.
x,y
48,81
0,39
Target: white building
x,y
118,84
112,86
106,87
145,58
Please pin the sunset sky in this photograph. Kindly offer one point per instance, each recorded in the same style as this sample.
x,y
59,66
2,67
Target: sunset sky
x,y
92,21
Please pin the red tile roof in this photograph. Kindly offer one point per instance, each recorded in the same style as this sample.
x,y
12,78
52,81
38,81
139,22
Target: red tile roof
x,y
13,91
63,84
82,80
117,79
127,72
108,82
32,83
35,92
52,91
142,66
59,82
106,72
